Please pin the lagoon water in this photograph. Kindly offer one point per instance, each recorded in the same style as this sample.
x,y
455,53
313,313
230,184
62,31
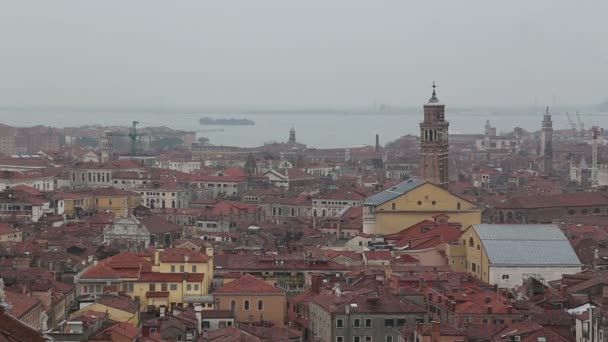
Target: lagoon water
x,y
316,128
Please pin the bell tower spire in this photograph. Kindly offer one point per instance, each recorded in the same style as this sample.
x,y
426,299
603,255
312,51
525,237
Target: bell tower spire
x,y
434,145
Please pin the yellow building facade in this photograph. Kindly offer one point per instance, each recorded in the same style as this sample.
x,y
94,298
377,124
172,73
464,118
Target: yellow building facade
x,y
469,255
177,276
172,276
411,202
113,200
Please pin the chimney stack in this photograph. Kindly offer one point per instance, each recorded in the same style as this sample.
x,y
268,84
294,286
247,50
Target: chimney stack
x,y
377,142
435,331
315,283
198,311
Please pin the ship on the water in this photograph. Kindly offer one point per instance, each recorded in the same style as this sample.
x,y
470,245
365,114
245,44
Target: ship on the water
x,y
226,122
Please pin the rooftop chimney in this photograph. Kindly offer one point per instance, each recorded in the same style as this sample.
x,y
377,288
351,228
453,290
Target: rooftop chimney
x,y
315,283
435,331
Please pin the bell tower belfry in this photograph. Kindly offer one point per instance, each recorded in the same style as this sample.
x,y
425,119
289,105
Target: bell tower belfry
x,y
434,145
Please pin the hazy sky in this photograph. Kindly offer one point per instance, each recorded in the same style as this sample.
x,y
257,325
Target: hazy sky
x,y
306,52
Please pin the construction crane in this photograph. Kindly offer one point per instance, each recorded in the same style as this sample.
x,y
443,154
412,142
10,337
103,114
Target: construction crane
x,y
106,141
572,124
595,130
581,125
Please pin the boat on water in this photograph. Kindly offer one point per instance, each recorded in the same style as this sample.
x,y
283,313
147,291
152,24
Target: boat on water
x,y
226,121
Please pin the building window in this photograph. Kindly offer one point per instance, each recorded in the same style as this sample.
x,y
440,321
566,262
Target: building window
x,y
172,268
195,287
152,287
368,339
419,202
189,287
388,339
232,305
368,322
193,268
478,248
339,323
163,287
473,267
246,305
356,323
458,206
389,322
393,206
468,319
339,338
471,243
173,287
260,305
485,320
356,339
181,268
400,322
505,277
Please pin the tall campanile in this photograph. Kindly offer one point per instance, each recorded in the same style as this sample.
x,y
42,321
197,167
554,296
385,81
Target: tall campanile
x,y
434,143
546,144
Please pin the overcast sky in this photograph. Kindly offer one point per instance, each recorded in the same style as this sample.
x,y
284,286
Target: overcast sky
x,y
302,53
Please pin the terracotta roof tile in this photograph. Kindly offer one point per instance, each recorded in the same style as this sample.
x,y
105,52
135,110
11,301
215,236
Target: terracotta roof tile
x,y
248,284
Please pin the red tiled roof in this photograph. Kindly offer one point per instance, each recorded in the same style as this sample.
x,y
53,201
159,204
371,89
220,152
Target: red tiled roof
x,y
248,284
14,330
120,303
124,329
178,255
577,199
378,255
20,303
28,190
156,224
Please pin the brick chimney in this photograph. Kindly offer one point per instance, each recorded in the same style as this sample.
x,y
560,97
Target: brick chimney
x,y
315,283
435,331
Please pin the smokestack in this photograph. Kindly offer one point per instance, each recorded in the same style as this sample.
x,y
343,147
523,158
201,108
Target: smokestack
x,y
377,142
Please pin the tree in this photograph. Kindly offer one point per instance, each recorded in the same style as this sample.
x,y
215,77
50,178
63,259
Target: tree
x,y
87,142
166,143
203,140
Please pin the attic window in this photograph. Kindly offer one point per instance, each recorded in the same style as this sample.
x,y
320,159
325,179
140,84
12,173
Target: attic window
x,y
419,202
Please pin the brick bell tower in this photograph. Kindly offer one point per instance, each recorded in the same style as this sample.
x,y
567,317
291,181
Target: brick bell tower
x,y
434,143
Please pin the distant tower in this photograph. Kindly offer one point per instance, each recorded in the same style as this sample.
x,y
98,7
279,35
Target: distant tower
x,y
106,146
377,142
434,143
594,175
251,167
546,143
292,135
